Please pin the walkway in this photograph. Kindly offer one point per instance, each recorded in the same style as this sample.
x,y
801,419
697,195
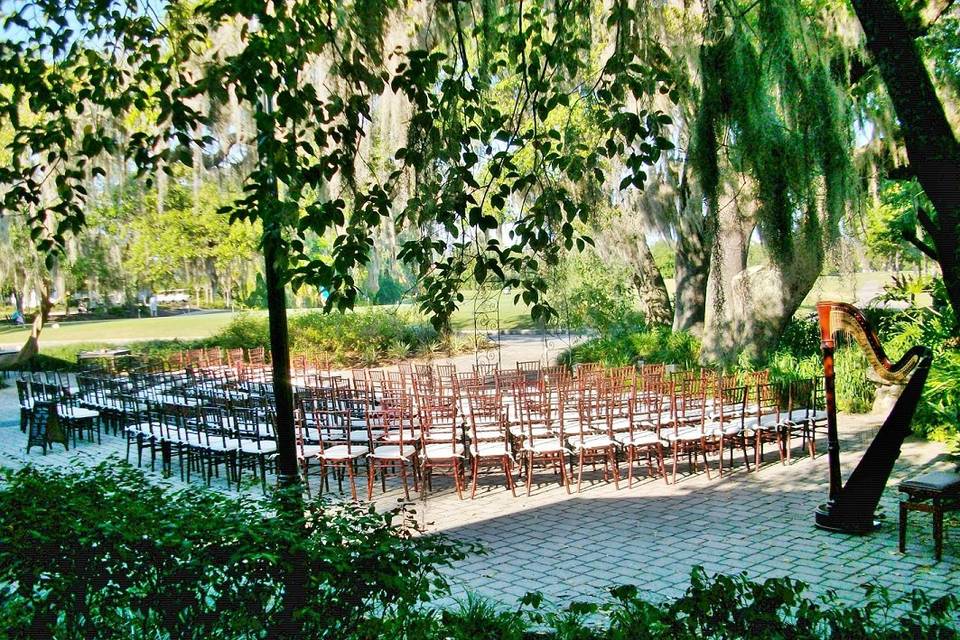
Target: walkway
x,y
572,547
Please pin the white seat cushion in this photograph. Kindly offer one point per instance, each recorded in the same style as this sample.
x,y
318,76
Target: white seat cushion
x,y
342,452
489,449
265,446
591,442
519,431
76,413
727,428
308,451
768,421
218,444
639,438
442,451
551,445
394,436
797,416
390,452
683,434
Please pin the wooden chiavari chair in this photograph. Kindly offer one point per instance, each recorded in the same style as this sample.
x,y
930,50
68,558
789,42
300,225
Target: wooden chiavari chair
x,y
649,411
685,434
394,442
593,439
541,431
725,428
441,440
768,422
337,449
489,441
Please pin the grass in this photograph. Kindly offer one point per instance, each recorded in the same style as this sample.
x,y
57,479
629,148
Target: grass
x,y
199,325
511,316
203,325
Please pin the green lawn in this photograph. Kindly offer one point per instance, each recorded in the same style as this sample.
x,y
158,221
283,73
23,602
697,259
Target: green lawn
x,y
202,325
196,325
511,316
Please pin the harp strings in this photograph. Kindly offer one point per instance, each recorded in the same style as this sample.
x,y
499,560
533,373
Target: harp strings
x,y
852,323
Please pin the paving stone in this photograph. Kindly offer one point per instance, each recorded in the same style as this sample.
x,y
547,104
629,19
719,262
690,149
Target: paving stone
x,y
653,534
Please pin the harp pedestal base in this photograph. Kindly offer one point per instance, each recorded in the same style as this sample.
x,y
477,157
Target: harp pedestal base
x,y
829,518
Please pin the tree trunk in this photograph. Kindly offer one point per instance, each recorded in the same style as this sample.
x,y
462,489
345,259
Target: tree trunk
x,y
749,307
725,331
932,147
32,346
692,271
692,258
210,265
624,239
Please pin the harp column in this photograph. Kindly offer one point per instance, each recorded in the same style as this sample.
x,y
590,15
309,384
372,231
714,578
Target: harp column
x,y
827,346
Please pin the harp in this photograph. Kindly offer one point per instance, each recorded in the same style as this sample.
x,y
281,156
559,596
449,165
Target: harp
x,y
851,507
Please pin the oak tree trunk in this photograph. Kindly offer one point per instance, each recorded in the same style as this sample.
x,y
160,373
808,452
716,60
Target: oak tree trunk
x,y
932,147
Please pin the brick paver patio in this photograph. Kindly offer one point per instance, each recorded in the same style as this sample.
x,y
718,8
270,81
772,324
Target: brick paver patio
x,y
572,547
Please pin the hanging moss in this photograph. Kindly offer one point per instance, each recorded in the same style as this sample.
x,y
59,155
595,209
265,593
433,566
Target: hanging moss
x,y
770,109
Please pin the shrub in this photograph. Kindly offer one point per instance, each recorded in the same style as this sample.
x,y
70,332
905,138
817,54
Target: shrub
x,y
656,344
103,553
721,606
245,331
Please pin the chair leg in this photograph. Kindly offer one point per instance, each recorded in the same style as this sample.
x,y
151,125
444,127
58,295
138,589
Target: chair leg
x,y
508,470
456,478
720,456
403,477
612,455
703,451
353,481
903,527
475,472
564,478
676,455
530,472
371,478
580,471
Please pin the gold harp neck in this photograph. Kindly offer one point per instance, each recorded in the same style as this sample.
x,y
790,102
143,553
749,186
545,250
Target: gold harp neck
x,y
842,317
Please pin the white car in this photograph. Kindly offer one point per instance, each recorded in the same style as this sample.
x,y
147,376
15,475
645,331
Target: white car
x,y
173,296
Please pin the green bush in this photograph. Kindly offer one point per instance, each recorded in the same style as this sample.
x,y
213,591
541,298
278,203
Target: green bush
x,y
364,336
717,607
102,553
650,345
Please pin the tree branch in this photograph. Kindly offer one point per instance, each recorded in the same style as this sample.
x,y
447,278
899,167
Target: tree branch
x,y
924,248
926,221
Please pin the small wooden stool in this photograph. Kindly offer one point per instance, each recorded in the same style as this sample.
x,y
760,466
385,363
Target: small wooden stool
x,y
940,487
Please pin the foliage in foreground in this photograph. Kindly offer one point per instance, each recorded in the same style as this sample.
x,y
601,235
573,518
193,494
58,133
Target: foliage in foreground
x,y
101,553
720,606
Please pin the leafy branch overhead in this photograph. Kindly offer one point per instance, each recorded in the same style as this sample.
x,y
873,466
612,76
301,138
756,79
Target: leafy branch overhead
x,y
513,123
